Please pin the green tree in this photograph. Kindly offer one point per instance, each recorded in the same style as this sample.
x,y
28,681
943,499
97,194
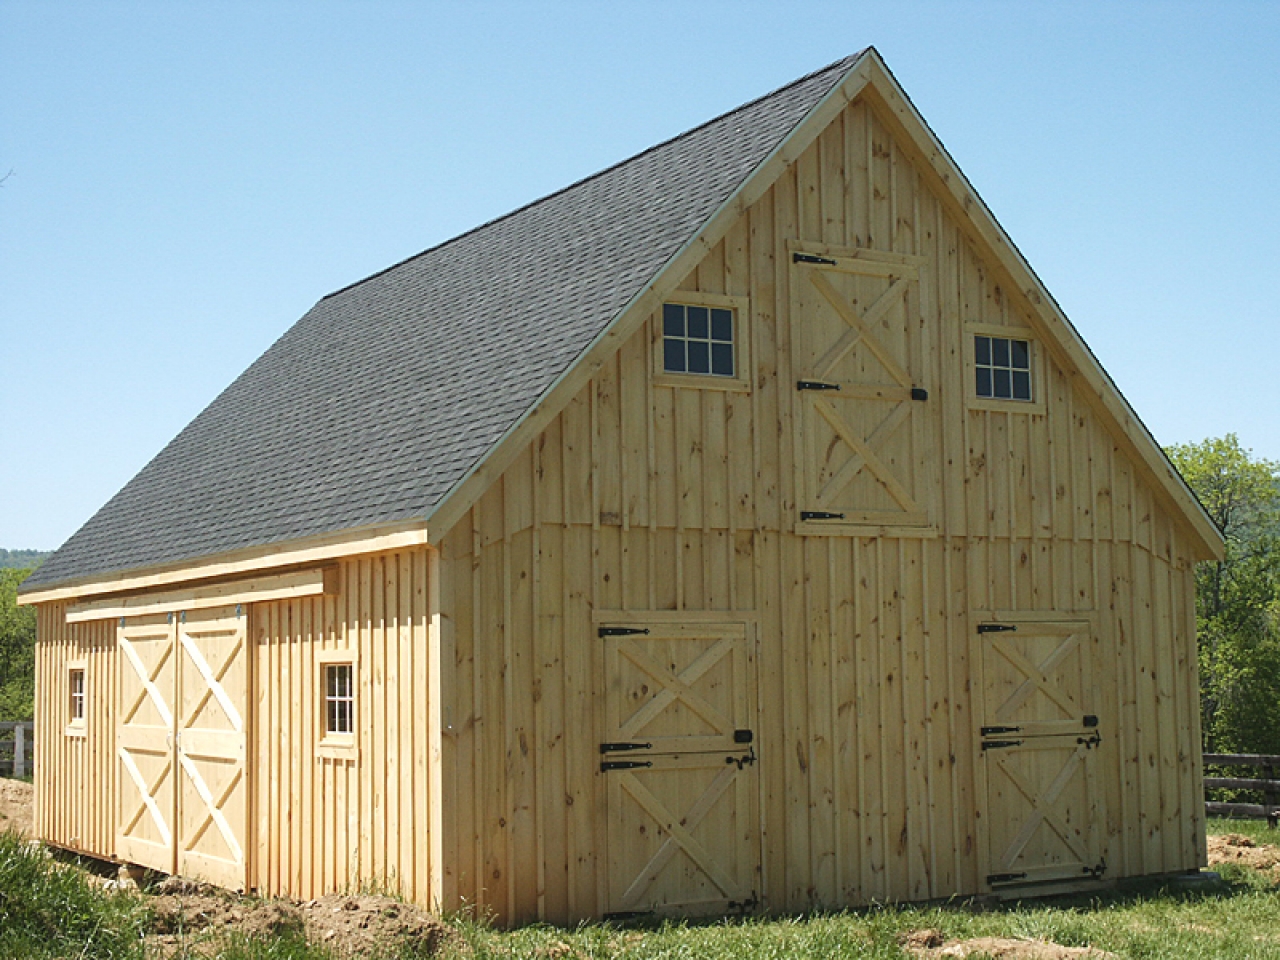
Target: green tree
x,y
17,649
1238,598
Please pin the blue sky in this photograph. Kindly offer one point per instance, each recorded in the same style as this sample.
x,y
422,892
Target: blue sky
x,y
187,179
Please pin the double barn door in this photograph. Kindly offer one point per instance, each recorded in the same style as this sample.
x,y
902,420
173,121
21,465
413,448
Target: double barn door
x,y
181,744
1040,739
680,767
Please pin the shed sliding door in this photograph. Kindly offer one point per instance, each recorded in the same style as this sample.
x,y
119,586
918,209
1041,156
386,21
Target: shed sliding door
x,y
182,742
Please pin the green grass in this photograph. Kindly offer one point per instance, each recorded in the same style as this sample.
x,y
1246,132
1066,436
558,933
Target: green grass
x,y
48,910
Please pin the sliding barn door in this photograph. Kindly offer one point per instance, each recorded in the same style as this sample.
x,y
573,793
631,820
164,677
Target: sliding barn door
x,y
858,347
1040,739
144,743
181,744
213,676
679,762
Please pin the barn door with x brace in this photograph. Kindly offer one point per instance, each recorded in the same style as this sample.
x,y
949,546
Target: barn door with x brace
x,y
857,340
679,761
1039,739
181,744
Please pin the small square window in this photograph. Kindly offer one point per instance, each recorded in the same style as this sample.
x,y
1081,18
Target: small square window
x,y
698,340
339,698
1002,368
76,677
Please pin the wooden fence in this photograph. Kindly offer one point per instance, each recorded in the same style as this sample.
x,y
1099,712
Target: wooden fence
x,y
1267,785
17,748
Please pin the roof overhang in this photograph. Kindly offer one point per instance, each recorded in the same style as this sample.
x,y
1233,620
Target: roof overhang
x,y
208,570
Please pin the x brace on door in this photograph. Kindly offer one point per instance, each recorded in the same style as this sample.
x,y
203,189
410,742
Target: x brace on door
x,y
676,687
679,832
1042,804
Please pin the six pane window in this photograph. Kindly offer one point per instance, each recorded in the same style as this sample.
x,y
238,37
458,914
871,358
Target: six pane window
x,y
77,695
1002,367
697,340
339,698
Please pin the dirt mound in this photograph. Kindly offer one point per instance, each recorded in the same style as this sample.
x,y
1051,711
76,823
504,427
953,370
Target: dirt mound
x,y
190,919
17,799
931,944
1242,850
354,925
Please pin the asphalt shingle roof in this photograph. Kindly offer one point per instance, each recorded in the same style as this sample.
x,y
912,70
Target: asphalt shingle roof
x,y
372,406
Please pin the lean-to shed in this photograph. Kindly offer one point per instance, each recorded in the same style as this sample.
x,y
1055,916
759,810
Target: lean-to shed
x,y
741,528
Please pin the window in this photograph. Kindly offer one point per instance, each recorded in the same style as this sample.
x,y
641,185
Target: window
x,y
700,341
77,695
697,339
1002,368
339,698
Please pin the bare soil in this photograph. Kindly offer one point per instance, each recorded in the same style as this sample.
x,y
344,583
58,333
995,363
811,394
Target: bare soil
x,y
932,944
17,799
193,918
1245,851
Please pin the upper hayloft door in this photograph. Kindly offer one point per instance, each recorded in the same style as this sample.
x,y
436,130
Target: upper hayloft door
x,y
679,762
858,347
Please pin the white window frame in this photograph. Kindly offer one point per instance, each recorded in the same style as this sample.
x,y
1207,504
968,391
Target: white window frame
x,y
741,307
77,726
331,743
1036,404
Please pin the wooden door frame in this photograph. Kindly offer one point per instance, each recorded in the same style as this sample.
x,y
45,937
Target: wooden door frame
x,y
750,621
982,784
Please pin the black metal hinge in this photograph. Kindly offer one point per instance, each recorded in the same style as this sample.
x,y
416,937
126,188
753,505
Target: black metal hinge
x,y
621,631
996,627
607,765
919,393
820,515
988,731
1000,744
810,258
816,385
619,747
1005,877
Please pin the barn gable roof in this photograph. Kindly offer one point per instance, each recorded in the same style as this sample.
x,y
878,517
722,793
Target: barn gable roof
x,y
393,400
372,406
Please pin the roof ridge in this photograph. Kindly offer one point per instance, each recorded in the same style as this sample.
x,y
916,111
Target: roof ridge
x,y
849,60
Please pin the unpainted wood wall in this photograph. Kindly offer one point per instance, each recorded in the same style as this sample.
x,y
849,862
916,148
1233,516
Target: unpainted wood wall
x,y
75,775
333,820
321,820
645,497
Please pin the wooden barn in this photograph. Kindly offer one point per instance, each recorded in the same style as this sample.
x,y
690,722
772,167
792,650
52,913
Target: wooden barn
x,y
741,528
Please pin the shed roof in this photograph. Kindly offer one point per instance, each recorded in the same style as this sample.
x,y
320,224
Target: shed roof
x,y
373,405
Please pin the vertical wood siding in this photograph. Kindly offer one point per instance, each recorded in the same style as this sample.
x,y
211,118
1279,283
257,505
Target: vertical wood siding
x,y
75,775
647,497
327,819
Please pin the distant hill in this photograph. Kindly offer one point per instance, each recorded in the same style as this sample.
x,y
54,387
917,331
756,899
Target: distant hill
x,y
22,558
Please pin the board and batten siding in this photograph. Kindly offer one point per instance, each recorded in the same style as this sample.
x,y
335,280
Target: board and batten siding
x,y
333,819
645,497
322,818
76,770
